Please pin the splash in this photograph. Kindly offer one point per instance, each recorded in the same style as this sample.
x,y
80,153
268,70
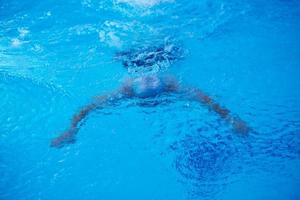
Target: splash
x,y
150,58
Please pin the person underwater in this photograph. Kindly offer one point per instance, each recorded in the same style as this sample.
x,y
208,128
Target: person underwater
x,y
147,86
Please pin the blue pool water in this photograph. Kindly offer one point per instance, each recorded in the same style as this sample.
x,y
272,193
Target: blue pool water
x,y
55,56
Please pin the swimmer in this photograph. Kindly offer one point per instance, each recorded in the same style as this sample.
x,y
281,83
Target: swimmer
x,y
145,87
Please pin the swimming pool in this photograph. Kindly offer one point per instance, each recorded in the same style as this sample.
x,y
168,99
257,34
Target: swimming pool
x,y
55,56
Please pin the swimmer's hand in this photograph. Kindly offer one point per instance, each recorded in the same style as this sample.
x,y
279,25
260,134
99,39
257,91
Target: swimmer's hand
x,y
68,137
240,126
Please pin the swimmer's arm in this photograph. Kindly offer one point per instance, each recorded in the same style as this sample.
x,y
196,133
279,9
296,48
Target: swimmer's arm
x,y
99,103
68,136
172,85
238,124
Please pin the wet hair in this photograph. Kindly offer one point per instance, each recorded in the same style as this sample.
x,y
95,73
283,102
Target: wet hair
x,y
149,58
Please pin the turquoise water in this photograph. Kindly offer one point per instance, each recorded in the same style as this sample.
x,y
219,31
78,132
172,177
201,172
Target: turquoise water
x,y
55,56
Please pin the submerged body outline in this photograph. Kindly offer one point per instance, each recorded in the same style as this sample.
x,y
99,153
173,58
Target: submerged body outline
x,y
145,87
